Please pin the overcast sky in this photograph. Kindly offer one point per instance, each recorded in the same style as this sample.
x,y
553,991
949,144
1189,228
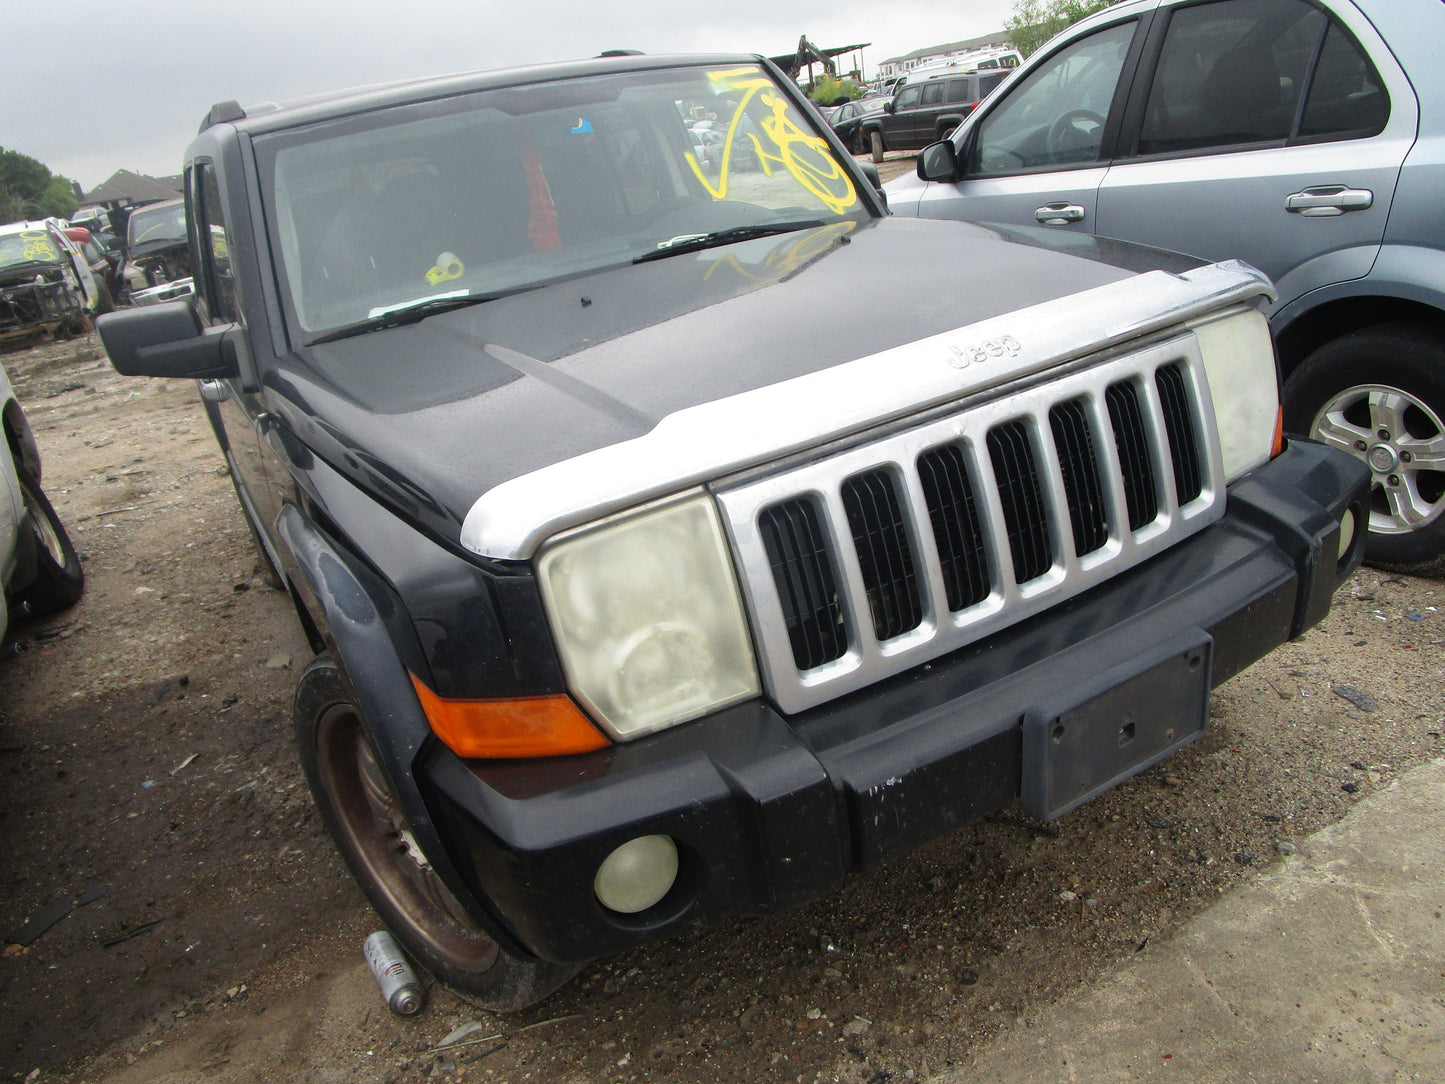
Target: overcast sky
x,y
89,87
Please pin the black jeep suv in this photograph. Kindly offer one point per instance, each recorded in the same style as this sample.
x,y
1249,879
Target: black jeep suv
x,y
641,596
925,112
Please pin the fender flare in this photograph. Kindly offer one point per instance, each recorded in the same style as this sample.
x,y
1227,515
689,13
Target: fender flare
x,y
362,621
1407,272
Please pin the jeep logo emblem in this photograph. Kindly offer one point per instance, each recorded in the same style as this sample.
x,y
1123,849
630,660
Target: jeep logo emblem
x,y
976,353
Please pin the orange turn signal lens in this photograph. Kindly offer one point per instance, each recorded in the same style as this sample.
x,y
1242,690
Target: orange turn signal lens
x,y
525,726
1278,446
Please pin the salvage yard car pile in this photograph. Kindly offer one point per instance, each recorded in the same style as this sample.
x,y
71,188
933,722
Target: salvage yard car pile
x,y
642,596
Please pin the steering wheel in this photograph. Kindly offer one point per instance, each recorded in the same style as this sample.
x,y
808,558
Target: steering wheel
x,y
1060,130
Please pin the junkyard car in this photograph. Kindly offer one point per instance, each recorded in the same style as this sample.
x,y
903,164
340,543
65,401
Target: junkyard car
x,y
104,261
46,284
1304,136
847,121
924,111
158,258
39,567
643,597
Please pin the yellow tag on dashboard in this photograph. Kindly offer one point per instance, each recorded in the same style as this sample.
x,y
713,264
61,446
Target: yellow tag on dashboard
x,y
448,267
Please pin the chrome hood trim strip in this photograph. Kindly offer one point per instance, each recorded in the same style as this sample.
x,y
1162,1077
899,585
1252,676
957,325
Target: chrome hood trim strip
x,y
511,520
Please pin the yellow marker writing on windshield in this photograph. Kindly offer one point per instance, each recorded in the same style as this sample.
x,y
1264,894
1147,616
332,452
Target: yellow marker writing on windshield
x,y
448,267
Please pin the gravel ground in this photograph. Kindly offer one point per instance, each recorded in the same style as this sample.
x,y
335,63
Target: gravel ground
x,y
203,928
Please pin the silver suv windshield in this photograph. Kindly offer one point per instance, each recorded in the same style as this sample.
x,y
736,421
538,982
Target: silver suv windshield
x,y
409,208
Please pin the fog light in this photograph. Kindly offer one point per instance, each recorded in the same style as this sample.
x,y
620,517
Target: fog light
x,y
1347,531
637,874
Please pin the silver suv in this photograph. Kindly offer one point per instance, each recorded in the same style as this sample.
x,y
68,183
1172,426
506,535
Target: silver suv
x,y
1304,136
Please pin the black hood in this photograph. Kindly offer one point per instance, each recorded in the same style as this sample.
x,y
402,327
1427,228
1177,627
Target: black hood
x,y
464,400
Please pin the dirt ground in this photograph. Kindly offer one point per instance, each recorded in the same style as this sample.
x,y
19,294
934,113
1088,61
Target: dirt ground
x,y
171,909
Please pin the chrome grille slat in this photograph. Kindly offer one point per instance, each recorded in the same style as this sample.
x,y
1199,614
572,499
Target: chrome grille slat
x,y
929,509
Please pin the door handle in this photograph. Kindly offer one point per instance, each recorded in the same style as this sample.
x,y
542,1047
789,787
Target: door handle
x,y
1059,214
1328,200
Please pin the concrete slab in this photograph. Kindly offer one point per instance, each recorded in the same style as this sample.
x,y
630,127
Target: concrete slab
x,y
1330,968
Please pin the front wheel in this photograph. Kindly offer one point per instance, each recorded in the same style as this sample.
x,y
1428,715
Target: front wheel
x,y
875,139
1379,394
59,579
364,814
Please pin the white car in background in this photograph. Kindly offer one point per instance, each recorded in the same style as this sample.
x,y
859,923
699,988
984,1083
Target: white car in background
x,y
46,284
38,563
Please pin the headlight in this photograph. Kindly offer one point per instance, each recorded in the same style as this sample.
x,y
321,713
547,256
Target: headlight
x,y
648,619
1238,355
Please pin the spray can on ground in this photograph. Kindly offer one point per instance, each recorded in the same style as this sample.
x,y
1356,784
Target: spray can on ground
x,y
394,975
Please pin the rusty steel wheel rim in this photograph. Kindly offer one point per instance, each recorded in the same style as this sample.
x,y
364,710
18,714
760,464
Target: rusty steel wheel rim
x,y
378,836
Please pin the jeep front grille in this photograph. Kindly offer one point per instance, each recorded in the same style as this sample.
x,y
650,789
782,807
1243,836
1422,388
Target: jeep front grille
x,y
880,557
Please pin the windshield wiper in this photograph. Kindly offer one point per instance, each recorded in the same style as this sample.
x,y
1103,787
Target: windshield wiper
x,y
693,242
408,312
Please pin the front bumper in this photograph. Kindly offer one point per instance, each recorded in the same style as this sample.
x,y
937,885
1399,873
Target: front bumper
x,y
35,306
768,810
178,290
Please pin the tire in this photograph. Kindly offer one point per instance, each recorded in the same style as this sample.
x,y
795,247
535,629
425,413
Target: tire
x,y
363,813
855,143
875,141
59,579
1379,394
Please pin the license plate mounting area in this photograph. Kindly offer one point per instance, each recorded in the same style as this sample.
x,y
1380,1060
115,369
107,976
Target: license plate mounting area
x,y
1115,724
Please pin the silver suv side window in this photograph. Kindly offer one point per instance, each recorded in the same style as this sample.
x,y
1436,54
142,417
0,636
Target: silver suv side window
x,y
1347,98
1055,117
1232,73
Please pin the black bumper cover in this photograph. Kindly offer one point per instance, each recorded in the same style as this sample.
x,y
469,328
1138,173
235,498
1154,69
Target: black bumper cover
x,y
769,811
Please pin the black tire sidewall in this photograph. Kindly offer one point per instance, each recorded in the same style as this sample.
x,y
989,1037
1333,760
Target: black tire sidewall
x,y
56,585
1409,357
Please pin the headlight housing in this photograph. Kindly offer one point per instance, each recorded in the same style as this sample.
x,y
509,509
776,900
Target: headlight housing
x,y
648,619
1238,356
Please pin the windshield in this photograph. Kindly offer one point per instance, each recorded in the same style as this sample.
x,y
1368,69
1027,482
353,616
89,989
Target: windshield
x,y
512,188
159,224
28,247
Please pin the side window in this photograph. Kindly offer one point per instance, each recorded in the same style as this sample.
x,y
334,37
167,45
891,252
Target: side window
x,y
1055,117
932,93
986,83
216,283
958,91
1231,74
907,99
1346,97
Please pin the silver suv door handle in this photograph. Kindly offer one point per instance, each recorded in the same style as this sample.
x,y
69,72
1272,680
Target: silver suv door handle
x,y
1328,200
1057,214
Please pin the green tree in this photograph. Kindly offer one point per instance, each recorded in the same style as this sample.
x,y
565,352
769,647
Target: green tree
x,y
59,199
828,89
29,190
1036,21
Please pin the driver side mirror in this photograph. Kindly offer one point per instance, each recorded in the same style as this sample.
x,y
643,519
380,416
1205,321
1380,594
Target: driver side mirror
x,y
938,161
167,340
888,106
